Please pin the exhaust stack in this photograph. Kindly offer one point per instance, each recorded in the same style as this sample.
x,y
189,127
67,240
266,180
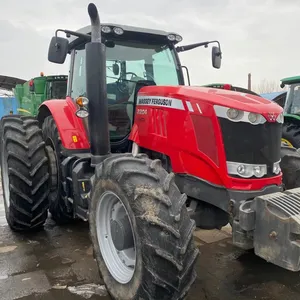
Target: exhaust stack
x,y
96,89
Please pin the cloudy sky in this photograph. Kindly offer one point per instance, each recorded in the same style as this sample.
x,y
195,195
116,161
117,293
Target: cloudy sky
x,y
257,36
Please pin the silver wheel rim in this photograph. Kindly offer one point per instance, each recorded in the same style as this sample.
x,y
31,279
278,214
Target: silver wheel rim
x,y
5,178
121,264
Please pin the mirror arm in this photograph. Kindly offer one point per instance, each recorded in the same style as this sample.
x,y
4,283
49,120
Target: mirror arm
x,y
193,46
70,32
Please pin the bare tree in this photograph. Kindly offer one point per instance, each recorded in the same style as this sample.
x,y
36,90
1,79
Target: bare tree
x,y
267,86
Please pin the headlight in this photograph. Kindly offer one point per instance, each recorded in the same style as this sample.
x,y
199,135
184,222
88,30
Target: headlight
x,y
246,170
280,118
82,113
106,29
276,168
118,30
178,38
234,114
171,37
254,118
259,171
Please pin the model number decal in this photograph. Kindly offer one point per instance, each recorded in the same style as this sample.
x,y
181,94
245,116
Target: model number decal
x,y
160,101
142,112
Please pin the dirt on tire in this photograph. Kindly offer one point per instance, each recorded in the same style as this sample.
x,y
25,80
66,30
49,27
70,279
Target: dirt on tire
x,y
165,254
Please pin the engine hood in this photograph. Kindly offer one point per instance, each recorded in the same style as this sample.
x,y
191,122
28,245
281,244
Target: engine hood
x,y
233,99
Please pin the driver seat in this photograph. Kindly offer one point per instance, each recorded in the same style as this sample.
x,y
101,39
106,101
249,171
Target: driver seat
x,y
134,86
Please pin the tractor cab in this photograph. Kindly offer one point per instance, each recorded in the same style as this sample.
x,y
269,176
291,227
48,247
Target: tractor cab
x,y
291,126
130,65
135,57
56,87
292,103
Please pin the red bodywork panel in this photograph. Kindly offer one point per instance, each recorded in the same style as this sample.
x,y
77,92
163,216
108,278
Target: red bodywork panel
x,y
186,129
71,129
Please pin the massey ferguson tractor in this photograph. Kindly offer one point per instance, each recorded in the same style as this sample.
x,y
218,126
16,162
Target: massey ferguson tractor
x,y
145,159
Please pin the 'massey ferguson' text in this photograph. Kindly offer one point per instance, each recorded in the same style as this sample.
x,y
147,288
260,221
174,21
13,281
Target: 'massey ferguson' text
x,y
157,101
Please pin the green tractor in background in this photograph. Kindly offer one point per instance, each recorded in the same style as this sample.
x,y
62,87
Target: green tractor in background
x,y
32,93
291,126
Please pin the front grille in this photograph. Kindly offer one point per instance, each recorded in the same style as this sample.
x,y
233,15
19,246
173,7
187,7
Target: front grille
x,y
252,144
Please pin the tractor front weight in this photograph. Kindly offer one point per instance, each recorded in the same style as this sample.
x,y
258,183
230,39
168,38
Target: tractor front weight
x,y
271,225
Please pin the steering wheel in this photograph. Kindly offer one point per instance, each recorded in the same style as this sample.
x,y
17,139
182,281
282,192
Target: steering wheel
x,y
122,85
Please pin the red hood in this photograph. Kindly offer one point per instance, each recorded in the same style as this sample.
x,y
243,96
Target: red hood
x,y
228,98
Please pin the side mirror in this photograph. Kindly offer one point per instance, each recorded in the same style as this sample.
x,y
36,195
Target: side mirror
x,y
216,57
282,85
116,69
31,85
58,50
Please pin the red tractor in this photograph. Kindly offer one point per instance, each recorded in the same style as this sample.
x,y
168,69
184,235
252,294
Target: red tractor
x,y
145,159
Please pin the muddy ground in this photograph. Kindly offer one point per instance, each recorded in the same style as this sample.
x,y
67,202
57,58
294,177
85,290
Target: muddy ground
x,y
57,264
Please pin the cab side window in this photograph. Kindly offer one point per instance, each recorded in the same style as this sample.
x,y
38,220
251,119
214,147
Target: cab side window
x,y
78,77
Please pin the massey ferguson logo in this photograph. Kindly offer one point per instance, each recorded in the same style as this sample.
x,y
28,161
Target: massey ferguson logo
x,y
272,117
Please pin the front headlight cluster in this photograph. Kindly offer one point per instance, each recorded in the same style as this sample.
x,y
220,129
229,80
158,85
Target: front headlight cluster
x,y
250,170
174,37
109,29
82,112
236,115
246,170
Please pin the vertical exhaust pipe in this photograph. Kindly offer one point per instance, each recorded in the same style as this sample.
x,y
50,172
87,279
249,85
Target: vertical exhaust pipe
x,y
96,89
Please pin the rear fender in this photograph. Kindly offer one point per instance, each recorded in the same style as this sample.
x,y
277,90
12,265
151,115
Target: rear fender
x,y
71,128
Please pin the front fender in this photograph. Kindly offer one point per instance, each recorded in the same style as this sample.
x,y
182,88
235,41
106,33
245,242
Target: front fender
x,y
71,128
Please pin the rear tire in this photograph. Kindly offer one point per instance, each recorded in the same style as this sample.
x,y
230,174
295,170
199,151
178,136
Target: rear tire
x,y
24,170
290,167
162,229
60,212
291,134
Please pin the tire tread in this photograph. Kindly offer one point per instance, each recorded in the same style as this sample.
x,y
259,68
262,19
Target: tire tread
x,y
147,182
27,171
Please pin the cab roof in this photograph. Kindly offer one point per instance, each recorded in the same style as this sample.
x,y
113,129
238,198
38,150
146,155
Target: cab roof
x,y
291,80
126,28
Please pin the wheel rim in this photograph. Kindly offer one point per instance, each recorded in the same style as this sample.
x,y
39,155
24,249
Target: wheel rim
x,y
5,178
288,143
121,264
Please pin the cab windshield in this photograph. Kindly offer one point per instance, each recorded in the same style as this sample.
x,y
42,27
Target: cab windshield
x,y
127,63
292,104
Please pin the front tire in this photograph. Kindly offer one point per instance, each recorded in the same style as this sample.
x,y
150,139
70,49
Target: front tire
x,y
163,264
24,170
60,212
291,134
290,167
